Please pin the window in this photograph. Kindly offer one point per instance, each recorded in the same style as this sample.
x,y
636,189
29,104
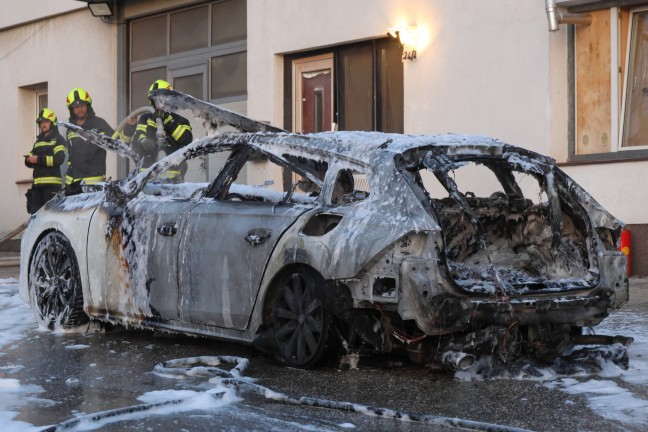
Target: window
x,y
364,81
253,177
188,30
202,51
41,102
32,99
350,186
610,99
229,22
148,38
140,83
593,86
635,119
229,76
213,35
371,86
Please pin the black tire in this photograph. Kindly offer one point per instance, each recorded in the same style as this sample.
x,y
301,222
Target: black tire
x,y
55,284
301,324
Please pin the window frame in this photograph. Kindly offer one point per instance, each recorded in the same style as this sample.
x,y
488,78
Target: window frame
x,y
38,93
630,57
617,152
289,84
188,58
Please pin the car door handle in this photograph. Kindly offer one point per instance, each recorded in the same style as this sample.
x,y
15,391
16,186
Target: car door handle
x,y
167,229
258,236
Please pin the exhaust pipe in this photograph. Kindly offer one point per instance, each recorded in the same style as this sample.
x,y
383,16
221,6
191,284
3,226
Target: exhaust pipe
x,y
602,340
457,360
556,17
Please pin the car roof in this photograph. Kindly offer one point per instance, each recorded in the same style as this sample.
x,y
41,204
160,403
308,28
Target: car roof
x,y
375,148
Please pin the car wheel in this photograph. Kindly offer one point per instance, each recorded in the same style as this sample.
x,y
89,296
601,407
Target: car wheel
x,y
301,324
55,284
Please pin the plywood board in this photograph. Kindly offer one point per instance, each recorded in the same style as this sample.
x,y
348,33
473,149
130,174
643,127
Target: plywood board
x,y
593,85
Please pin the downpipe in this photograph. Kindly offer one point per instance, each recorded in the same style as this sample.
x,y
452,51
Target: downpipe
x,y
555,17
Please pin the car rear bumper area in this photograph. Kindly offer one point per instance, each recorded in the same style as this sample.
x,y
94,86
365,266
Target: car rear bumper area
x,y
575,311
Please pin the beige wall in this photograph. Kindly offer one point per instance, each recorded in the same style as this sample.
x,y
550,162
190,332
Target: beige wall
x,y
488,68
481,68
18,12
66,51
619,187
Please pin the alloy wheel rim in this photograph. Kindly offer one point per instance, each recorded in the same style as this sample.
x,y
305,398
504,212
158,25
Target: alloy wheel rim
x,y
300,320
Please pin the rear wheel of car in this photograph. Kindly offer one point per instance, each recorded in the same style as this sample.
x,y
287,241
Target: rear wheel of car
x,y
55,284
301,324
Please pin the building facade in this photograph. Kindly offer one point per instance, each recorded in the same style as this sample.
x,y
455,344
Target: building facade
x,y
575,93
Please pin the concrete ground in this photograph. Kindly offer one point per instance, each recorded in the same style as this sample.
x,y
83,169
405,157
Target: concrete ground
x,y
110,370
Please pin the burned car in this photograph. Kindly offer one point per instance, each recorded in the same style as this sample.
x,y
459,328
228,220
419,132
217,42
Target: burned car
x,y
369,241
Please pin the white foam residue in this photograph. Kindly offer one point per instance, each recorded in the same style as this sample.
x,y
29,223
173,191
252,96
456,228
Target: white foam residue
x,y
15,316
625,323
216,397
9,384
13,395
77,346
610,400
9,424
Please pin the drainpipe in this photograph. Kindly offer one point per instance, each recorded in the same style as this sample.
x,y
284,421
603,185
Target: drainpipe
x,y
556,17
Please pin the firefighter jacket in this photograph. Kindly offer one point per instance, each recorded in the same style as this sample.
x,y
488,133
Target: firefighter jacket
x,y
50,149
87,161
145,141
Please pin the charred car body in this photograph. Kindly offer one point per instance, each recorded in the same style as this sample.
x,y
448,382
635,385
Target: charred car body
x,y
354,245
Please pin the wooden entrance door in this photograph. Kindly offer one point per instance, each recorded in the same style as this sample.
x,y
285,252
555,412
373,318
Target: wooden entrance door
x,y
313,94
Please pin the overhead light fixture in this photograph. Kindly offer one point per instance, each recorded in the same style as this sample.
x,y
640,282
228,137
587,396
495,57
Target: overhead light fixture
x,y
100,9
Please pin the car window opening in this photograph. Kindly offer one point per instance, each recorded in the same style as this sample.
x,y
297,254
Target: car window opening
x,y
262,179
350,186
498,230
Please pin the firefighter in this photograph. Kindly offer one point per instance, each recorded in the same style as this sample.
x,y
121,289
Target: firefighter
x,y
87,162
148,141
45,159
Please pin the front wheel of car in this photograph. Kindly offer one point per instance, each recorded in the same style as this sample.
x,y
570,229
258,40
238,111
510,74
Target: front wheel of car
x,y
55,284
301,324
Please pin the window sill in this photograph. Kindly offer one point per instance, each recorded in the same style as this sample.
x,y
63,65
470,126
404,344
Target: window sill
x,y
606,158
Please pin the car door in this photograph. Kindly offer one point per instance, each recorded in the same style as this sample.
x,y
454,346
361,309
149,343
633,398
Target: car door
x,y
156,231
224,253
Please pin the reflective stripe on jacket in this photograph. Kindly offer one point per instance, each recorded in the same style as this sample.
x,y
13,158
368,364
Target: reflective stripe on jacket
x,y
86,180
178,134
50,150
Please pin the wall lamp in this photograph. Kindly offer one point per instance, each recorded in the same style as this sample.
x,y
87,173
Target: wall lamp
x,y
407,37
102,9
